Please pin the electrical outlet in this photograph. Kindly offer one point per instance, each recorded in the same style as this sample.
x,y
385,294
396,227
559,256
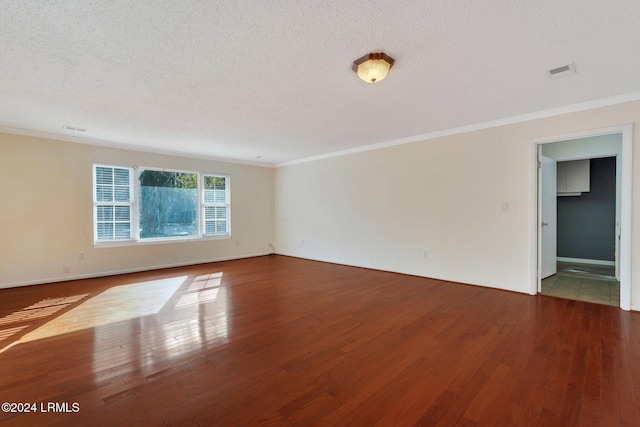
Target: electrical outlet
x,y
424,253
66,269
81,256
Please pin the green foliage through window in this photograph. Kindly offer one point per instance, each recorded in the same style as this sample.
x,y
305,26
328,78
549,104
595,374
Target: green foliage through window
x,y
168,204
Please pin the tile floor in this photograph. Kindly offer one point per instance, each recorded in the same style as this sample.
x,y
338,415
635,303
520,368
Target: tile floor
x,y
584,282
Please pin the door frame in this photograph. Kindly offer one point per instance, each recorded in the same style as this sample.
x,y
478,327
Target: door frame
x,y
625,206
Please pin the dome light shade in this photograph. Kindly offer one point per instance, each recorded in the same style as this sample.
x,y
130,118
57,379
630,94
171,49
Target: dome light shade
x,y
373,67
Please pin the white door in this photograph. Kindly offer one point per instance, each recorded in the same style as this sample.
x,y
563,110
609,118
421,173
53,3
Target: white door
x,y
547,228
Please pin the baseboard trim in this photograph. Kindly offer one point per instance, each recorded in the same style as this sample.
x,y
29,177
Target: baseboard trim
x,y
404,273
585,261
124,271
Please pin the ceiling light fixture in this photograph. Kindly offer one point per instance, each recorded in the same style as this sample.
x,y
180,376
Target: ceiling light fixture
x,y
373,67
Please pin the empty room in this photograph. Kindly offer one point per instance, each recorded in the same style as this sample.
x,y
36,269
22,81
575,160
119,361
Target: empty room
x,y
319,213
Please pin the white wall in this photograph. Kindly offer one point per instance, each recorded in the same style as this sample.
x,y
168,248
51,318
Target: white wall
x,y
383,208
466,199
39,176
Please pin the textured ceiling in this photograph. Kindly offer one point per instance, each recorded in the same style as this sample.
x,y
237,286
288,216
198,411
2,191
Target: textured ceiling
x,y
237,79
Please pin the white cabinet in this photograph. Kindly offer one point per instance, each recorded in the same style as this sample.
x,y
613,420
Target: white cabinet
x,y
573,177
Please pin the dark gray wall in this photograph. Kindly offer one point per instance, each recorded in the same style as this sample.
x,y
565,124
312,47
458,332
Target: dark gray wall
x,y
586,224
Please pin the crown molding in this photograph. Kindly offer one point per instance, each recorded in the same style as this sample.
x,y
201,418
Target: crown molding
x,y
124,146
571,108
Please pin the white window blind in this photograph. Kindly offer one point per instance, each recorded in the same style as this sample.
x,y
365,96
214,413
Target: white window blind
x,y
112,203
216,204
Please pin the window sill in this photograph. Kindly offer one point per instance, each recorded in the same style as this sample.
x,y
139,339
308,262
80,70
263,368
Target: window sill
x,y
159,241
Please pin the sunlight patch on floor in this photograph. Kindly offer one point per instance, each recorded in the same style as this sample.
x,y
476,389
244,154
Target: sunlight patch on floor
x,y
116,304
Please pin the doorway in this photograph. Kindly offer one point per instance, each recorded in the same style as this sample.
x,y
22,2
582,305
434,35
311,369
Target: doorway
x,y
610,142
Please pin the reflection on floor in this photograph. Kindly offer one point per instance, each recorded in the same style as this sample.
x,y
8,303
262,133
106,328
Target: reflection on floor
x,y
584,282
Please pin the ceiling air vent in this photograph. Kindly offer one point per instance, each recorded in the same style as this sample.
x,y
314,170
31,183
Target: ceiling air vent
x,y
73,128
564,71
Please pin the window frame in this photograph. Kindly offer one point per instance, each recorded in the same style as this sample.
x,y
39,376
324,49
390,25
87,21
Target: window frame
x,y
203,205
96,204
134,204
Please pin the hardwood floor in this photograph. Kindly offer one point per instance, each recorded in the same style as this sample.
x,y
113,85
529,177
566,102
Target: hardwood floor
x,y
284,341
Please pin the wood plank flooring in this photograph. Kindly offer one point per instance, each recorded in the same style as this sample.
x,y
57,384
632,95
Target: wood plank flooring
x,y
276,340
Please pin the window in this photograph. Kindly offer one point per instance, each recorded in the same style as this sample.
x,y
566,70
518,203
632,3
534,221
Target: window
x,y
112,203
216,204
168,204
158,204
